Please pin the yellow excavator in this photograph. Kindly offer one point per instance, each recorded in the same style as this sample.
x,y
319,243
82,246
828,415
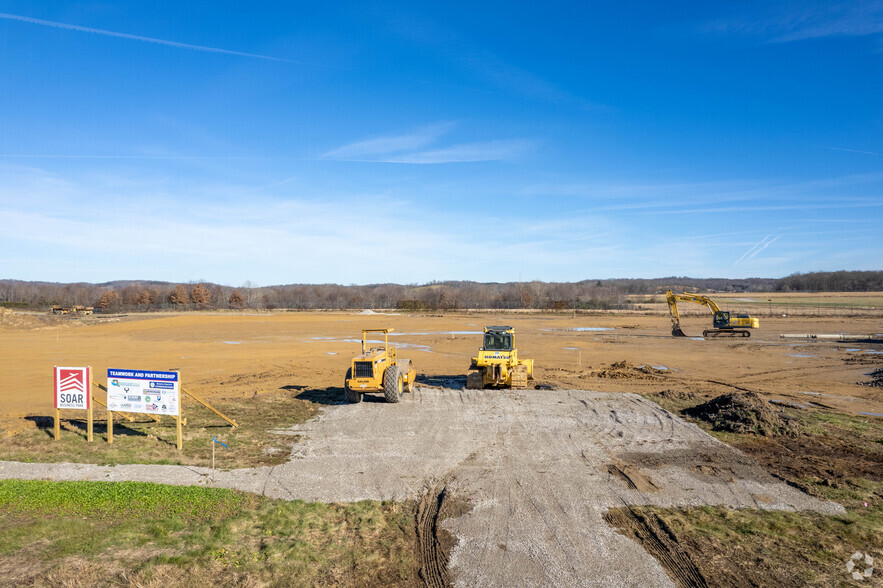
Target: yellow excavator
x,y
724,324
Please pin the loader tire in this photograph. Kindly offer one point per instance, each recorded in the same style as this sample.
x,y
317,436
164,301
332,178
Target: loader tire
x,y
352,396
475,380
392,384
519,377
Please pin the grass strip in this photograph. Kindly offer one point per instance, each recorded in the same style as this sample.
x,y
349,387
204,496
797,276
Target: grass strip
x,y
107,534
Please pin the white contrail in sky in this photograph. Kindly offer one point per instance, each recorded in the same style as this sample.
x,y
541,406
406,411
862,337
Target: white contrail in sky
x,y
61,25
854,151
758,247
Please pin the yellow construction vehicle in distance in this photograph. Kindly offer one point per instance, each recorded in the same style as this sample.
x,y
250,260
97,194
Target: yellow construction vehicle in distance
x,y
723,322
378,369
497,363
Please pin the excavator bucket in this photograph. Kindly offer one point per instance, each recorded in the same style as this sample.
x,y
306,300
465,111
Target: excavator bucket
x,y
677,332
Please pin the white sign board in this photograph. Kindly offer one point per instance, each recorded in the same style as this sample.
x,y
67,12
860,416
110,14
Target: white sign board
x,y
143,391
72,387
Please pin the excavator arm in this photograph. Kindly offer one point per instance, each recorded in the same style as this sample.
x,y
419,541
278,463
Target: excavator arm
x,y
673,308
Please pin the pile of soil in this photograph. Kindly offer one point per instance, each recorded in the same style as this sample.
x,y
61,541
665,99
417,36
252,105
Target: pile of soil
x,y
623,370
738,412
14,320
876,379
677,395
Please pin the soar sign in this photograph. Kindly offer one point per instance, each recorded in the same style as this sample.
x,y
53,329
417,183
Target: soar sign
x,y
72,387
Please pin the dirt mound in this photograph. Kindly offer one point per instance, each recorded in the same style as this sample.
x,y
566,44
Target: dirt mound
x,y
10,319
743,413
623,370
677,395
876,379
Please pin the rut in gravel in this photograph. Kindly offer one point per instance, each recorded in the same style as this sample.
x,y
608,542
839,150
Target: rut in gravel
x,y
433,555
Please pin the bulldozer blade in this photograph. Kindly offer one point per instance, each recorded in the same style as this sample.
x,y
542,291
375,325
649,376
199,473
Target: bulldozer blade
x,y
677,332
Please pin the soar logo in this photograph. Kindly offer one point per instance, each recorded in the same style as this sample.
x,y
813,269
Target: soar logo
x,y
72,387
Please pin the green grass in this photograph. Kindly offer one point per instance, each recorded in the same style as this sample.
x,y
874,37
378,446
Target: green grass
x,y
775,548
100,533
116,499
255,442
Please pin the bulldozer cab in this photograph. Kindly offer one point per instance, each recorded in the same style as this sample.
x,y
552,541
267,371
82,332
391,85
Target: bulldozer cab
x,y
498,339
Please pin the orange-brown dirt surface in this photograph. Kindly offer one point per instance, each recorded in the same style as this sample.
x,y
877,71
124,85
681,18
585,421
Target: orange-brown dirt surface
x,y
230,355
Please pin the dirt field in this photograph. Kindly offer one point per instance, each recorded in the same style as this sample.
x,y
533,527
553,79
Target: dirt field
x,y
520,481
238,355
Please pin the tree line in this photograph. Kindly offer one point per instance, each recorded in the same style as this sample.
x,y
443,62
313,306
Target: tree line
x,y
143,296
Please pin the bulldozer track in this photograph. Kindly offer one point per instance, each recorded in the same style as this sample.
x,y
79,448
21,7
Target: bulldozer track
x,y
519,377
433,559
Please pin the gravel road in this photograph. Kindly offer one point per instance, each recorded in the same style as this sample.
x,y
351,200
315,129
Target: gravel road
x,y
538,468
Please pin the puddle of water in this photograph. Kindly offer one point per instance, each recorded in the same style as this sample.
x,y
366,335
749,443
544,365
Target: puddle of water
x,y
592,329
332,353
837,396
233,342
571,348
872,414
800,355
851,350
744,299
696,338
659,367
438,333
874,352
426,348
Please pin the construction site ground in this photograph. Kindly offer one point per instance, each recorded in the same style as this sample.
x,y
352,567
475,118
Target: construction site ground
x,y
512,487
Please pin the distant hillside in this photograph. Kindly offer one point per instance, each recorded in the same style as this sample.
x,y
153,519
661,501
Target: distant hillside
x,y
146,295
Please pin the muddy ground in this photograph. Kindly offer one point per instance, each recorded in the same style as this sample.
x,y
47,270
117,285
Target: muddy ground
x,y
523,477
238,355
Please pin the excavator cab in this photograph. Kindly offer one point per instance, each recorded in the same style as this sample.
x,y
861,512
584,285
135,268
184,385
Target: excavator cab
x,y
721,319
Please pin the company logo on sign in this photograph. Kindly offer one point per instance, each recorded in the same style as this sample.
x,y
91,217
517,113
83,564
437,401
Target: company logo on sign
x,y
72,387
151,407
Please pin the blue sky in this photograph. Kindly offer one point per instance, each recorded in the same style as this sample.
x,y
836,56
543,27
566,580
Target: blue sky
x,y
287,142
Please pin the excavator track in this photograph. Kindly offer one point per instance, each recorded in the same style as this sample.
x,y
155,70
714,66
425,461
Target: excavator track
x,y
725,333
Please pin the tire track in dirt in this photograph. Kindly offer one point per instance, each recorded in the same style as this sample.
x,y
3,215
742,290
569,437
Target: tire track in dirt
x,y
433,557
653,534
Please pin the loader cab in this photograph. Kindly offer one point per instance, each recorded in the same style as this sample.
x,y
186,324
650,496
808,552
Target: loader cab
x,y
721,319
498,339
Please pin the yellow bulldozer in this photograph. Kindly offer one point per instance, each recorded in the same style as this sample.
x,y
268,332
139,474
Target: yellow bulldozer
x,y
497,363
378,369
723,322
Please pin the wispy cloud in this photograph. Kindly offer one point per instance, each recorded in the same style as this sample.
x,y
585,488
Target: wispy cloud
x,y
805,20
758,247
106,33
467,152
853,150
390,143
414,148
482,64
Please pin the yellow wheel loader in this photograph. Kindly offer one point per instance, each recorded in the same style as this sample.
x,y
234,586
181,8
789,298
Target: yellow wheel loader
x,y
725,325
378,369
497,363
